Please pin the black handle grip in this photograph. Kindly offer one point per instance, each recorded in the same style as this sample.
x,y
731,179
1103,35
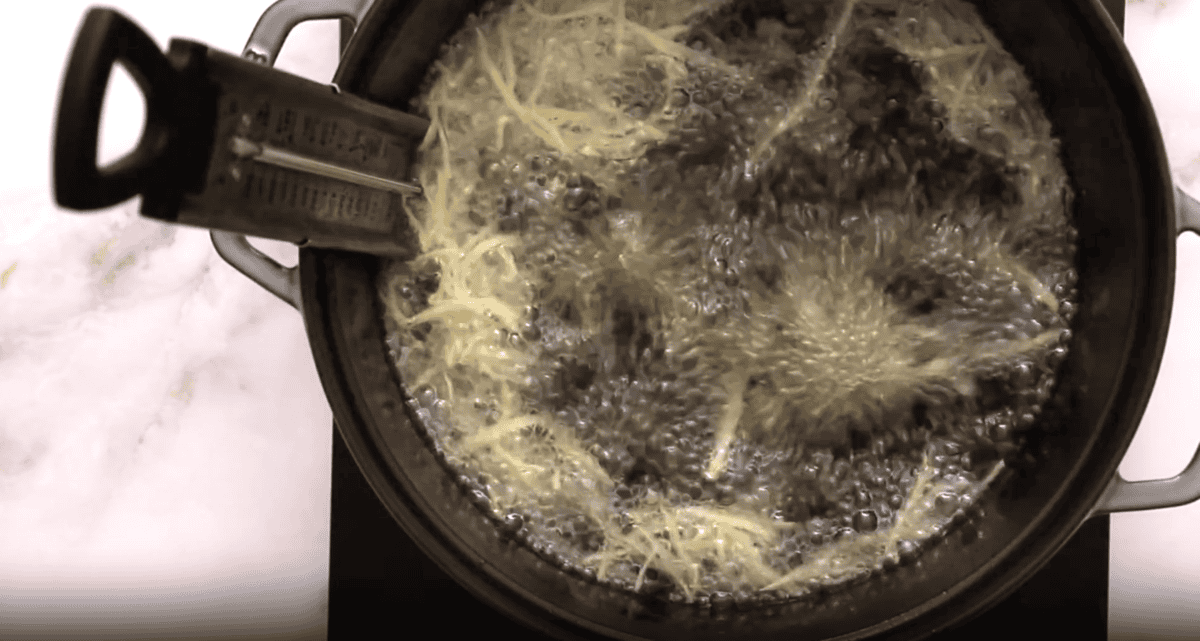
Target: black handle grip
x,y
106,38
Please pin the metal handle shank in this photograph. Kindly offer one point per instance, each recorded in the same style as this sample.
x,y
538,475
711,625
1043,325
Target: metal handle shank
x,y
280,18
1128,496
263,47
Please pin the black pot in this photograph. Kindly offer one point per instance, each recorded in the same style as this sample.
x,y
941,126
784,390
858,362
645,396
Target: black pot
x,y
1128,224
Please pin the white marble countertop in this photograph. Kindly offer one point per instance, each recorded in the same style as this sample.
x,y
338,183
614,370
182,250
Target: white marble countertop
x,y
165,442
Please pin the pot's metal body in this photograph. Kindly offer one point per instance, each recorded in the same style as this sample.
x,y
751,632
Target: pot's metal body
x,y
1127,216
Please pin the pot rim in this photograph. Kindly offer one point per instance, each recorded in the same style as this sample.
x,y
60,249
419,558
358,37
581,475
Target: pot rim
x,y
1063,511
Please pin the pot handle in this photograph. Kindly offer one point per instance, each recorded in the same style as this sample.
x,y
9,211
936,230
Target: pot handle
x,y
263,47
1128,496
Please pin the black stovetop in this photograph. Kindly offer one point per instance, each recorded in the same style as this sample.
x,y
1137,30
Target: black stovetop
x,y
381,585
